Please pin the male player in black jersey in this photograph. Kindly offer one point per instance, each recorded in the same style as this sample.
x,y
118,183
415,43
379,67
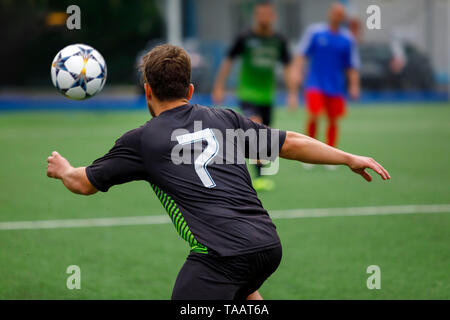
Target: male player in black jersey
x,y
234,244
261,49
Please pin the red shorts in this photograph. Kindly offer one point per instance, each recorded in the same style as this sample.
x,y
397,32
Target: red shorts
x,y
316,102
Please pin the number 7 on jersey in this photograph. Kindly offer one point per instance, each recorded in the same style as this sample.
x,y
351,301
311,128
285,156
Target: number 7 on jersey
x,y
206,156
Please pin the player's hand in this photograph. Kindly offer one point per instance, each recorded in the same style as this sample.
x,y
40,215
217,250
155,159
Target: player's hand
x,y
359,164
292,101
218,95
57,166
295,77
354,92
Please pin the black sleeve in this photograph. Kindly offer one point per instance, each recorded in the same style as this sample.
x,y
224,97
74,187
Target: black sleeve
x,y
123,163
237,48
285,56
260,141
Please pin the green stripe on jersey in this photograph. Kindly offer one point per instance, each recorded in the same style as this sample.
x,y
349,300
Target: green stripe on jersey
x,y
178,220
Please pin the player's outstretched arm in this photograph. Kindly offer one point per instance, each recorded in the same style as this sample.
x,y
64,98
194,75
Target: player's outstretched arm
x,y
75,179
303,148
292,99
296,72
354,89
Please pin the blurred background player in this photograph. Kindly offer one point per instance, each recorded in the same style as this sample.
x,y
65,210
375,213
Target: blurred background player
x,y
260,48
333,57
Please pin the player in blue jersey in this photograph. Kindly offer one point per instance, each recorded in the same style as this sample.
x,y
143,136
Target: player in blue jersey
x,y
333,63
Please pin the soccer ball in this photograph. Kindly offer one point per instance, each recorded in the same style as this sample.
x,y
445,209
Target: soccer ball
x,y
78,71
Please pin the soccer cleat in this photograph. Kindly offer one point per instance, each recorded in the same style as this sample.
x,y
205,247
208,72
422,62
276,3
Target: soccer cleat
x,y
263,184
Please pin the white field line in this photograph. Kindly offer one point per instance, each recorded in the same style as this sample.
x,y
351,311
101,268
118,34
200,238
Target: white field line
x,y
276,214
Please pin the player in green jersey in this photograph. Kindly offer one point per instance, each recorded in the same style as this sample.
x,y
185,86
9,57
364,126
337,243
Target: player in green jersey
x,y
260,49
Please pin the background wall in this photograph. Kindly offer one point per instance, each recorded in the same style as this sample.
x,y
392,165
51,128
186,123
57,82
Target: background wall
x,y
207,27
422,22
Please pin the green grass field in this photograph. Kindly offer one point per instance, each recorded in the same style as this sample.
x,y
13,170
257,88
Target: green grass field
x,y
323,258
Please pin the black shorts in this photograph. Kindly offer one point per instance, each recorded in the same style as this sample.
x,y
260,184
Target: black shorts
x,y
205,277
262,111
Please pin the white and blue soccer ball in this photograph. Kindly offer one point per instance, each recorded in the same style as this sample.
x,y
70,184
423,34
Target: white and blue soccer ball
x,y
78,71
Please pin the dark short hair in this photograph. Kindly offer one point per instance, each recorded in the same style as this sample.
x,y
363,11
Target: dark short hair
x,y
167,69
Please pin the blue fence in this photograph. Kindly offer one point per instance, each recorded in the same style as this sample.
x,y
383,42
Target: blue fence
x,y
111,103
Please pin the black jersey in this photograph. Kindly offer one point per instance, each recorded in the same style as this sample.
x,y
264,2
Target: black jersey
x,y
191,156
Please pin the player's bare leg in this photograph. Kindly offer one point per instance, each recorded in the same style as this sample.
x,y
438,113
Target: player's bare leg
x,y
311,124
255,296
332,133
256,119
311,130
260,183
